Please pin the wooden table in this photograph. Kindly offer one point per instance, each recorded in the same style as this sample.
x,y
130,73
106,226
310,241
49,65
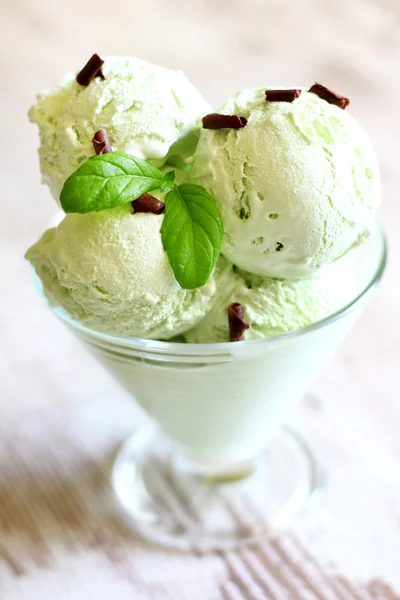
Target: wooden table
x,y
61,415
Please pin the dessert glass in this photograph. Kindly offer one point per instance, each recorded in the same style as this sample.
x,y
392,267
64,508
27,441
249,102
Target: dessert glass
x,y
218,470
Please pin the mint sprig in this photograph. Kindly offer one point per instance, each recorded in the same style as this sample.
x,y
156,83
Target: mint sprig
x,y
192,228
192,233
108,180
168,183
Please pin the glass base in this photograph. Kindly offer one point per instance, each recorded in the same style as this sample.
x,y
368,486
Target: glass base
x,y
169,502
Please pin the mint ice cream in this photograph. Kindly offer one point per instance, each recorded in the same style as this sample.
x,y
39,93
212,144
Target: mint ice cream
x,y
144,108
297,185
287,187
256,236
109,271
274,306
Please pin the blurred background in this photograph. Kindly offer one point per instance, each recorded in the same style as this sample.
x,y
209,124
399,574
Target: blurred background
x,y
46,378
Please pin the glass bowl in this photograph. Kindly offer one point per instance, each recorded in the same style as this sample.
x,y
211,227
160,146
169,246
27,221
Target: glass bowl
x,y
217,469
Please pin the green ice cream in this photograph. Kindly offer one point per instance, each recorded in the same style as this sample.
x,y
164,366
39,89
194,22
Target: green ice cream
x,y
109,271
297,186
274,306
144,108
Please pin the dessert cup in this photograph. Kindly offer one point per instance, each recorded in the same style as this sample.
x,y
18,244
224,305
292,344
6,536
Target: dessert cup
x,y
217,469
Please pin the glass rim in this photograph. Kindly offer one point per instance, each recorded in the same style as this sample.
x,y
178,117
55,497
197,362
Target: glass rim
x,y
220,348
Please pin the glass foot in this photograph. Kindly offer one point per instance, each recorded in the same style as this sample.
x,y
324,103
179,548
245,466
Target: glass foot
x,y
169,504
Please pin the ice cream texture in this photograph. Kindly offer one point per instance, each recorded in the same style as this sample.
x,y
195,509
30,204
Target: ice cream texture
x,y
275,306
297,186
146,110
109,271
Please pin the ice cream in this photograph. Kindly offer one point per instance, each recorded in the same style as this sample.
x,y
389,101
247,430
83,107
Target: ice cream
x,y
297,185
274,306
144,108
292,183
296,181
109,271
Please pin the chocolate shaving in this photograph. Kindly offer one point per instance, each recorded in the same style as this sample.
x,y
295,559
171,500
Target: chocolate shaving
x,y
148,204
101,143
282,95
237,324
329,95
91,70
216,121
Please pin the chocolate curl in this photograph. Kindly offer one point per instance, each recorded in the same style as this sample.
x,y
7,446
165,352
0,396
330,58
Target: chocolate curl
x,y
101,143
329,95
237,324
148,204
216,121
91,70
282,95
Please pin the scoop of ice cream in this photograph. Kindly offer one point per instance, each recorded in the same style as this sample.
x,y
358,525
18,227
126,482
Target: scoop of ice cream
x,y
275,306
109,271
297,186
144,108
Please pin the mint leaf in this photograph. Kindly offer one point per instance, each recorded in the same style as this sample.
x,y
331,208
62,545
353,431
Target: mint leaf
x,y
192,233
168,183
169,177
108,180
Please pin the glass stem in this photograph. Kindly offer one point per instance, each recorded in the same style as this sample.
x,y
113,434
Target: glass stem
x,y
212,473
